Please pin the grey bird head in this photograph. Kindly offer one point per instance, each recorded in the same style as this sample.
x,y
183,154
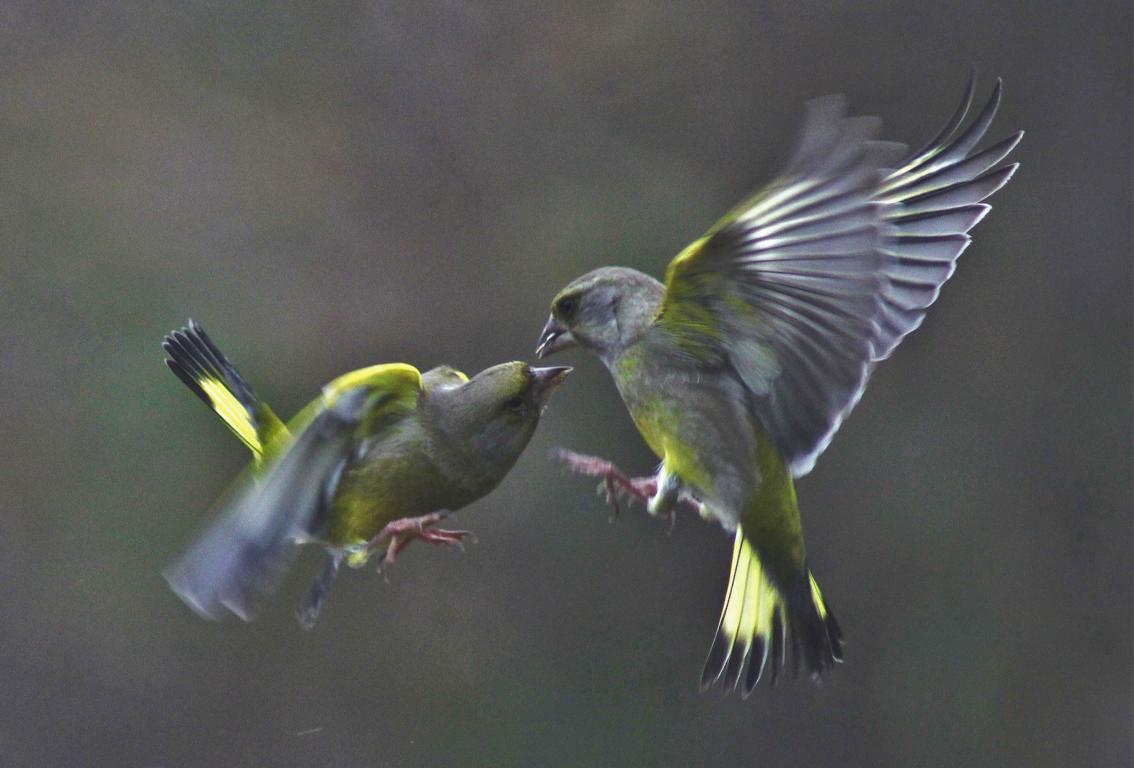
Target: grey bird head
x,y
604,311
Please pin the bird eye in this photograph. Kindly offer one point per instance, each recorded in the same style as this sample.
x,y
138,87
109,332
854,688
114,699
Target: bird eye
x,y
566,307
515,404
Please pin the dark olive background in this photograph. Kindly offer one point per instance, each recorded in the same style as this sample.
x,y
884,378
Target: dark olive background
x,y
339,184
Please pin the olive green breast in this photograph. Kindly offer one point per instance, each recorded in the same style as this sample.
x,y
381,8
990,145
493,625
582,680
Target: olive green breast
x,y
666,411
395,477
697,420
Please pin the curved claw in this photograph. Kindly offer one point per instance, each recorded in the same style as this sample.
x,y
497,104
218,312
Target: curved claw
x,y
608,491
398,534
615,485
440,537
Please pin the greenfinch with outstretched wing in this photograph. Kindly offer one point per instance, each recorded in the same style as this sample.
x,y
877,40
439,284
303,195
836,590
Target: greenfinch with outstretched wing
x,y
739,369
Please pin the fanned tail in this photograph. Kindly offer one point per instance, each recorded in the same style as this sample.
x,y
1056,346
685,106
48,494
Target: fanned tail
x,y
762,625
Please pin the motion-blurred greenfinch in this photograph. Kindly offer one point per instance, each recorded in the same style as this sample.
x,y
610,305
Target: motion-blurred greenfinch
x,y
380,457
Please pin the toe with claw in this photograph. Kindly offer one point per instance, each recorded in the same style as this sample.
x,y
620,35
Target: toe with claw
x,y
614,484
399,534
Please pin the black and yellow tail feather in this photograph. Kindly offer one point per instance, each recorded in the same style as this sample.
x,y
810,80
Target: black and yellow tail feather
x,y
197,361
762,624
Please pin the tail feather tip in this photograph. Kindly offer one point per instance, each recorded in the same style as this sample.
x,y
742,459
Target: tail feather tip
x,y
763,629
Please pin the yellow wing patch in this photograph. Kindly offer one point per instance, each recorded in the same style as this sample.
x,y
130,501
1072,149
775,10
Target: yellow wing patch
x,y
232,411
682,260
679,286
398,379
390,388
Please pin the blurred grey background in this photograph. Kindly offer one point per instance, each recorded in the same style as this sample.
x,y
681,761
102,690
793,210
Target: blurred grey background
x,y
339,184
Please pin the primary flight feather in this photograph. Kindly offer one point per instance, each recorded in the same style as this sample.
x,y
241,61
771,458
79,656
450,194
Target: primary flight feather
x,y
739,369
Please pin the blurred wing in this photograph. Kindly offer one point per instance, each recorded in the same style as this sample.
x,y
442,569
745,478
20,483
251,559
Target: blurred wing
x,y
807,284
246,552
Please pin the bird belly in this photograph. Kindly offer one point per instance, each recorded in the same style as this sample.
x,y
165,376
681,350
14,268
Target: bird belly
x,y
701,430
667,429
379,491
730,464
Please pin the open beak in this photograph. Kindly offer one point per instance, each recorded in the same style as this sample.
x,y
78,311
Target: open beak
x,y
547,379
553,338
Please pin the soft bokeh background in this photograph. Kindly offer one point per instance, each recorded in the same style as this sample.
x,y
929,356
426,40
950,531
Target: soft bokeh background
x,y
339,184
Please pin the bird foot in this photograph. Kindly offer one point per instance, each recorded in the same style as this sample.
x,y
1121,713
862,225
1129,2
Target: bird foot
x,y
399,534
615,484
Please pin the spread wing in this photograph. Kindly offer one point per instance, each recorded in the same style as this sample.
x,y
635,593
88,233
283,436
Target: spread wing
x,y
247,550
803,287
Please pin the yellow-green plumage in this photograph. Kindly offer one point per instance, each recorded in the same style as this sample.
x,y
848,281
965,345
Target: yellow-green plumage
x,y
755,607
379,444
698,424
741,367
387,490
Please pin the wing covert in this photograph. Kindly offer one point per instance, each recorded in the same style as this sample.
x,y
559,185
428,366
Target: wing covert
x,y
807,284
